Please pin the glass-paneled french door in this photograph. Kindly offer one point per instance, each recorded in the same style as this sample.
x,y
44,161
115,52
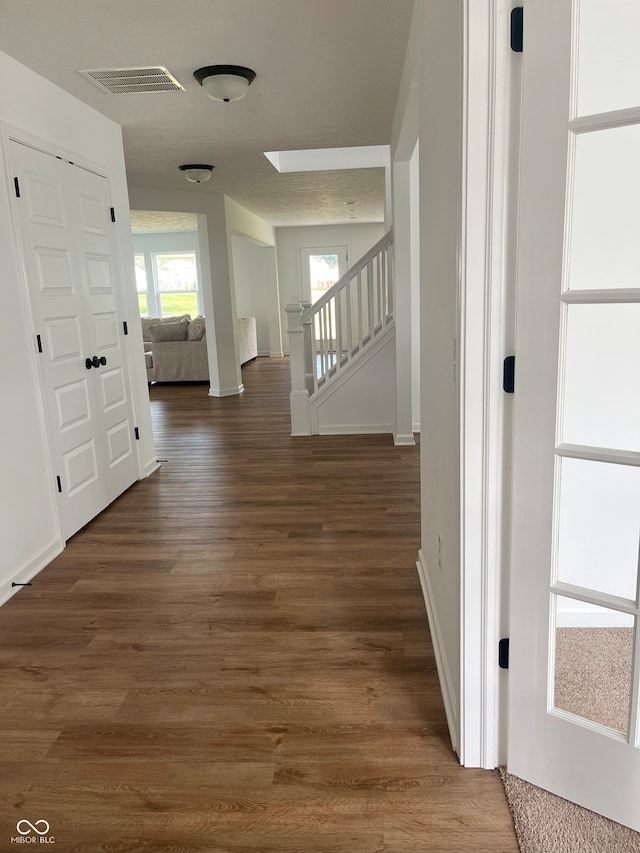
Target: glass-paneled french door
x,y
575,655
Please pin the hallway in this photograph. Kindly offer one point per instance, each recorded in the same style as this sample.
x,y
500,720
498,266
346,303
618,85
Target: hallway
x,y
235,655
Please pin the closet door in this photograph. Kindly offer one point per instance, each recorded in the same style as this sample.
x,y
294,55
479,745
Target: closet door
x,y
68,254
98,275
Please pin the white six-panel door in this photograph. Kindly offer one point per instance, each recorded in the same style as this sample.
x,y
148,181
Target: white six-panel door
x,y
575,656
69,257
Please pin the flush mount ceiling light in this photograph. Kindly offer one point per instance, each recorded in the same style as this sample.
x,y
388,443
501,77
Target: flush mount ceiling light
x,y
196,172
225,82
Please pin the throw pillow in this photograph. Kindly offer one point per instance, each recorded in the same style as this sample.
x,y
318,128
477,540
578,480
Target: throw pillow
x,y
169,332
146,323
196,329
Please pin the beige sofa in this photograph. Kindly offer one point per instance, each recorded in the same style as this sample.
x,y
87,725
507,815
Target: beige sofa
x,y
176,347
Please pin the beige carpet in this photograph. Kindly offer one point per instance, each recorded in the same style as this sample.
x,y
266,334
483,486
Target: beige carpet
x,y
592,680
548,824
593,674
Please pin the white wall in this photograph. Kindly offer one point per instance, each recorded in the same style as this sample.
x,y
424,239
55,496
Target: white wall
x,y
432,81
365,402
440,130
414,181
166,241
31,105
241,222
406,232
251,229
358,239
256,288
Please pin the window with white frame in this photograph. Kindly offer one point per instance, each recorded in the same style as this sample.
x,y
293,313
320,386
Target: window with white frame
x,y
170,287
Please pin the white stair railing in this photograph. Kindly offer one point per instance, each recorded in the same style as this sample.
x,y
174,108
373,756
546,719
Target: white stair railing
x,y
325,337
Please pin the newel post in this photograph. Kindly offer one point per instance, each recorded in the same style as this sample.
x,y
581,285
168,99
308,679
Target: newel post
x,y
299,397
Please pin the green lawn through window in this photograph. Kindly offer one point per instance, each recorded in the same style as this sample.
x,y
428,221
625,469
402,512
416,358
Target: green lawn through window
x,y
173,304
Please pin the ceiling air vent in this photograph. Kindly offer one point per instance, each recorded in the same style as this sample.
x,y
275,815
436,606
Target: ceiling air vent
x,y
131,81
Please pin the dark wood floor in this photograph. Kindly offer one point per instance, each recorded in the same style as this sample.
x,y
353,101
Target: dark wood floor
x,y
235,656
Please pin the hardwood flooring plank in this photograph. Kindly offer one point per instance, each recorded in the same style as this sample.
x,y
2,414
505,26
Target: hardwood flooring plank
x,y
235,657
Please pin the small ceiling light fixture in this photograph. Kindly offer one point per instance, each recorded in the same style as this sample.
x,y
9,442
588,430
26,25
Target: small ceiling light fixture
x,y
225,82
196,172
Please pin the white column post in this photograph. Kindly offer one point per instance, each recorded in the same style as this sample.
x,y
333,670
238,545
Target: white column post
x,y
402,308
273,303
299,398
309,351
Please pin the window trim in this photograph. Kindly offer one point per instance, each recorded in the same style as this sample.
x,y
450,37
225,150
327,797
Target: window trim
x,y
153,292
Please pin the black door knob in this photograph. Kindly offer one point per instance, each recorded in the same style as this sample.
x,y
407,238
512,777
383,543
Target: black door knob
x,y
94,362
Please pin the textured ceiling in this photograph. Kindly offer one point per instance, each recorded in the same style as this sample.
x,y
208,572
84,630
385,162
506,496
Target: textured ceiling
x,y
146,221
328,73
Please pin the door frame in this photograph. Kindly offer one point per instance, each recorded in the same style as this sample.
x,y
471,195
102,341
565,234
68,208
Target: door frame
x,y
490,122
8,134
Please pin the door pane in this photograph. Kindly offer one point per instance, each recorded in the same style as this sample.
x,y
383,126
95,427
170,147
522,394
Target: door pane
x,y
593,654
598,528
609,62
604,250
601,403
324,272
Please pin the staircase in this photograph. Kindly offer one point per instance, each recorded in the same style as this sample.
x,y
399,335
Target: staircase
x,y
344,345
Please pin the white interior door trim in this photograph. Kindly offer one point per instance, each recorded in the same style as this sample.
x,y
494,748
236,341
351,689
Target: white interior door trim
x,y
483,335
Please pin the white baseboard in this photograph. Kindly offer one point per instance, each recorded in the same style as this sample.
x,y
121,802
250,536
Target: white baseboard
x,y
263,353
225,392
416,426
150,467
403,440
276,354
30,569
354,429
446,682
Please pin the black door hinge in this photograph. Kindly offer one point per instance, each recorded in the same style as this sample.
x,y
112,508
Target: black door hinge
x,y
503,654
125,327
113,214
517,29
16,184
39,342
136,432
509,374
59,481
